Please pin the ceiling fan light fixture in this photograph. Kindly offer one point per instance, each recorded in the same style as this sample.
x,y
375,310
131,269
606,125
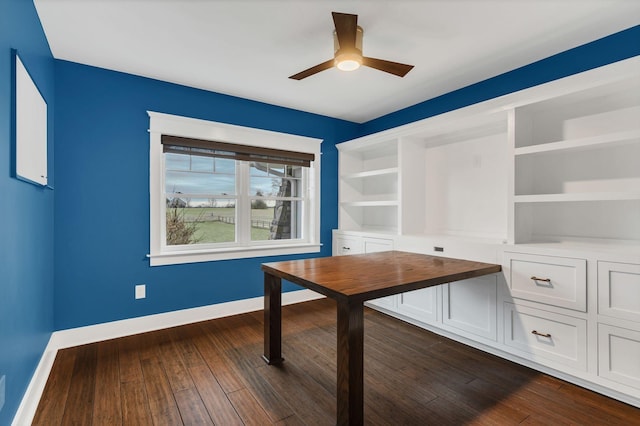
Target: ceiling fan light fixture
x,y
348,58
348,61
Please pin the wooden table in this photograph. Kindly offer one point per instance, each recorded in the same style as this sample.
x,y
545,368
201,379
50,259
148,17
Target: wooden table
x,y
352,280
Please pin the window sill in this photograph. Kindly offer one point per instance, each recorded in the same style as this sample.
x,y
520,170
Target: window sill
x,y
193,256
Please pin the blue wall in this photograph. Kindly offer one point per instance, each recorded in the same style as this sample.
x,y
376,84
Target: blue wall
x,y
26,215
102,195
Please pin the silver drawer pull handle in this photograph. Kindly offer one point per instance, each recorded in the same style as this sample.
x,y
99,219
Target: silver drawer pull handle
x,y
346,248
546,280
537,333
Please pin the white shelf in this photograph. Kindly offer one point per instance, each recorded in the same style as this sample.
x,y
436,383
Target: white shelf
x,y
562,245
582,143
577,169
370,173
460,239
373,203
586,196
371,231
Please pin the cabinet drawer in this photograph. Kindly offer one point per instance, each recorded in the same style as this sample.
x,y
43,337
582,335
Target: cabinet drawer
x,y
347,245
619,355
619,290
558,281
540,334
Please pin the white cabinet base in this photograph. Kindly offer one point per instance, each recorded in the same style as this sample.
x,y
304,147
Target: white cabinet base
x,y
619,290
470,306
619,355
421,305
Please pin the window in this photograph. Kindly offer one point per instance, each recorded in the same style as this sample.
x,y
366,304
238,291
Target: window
x,y
221,192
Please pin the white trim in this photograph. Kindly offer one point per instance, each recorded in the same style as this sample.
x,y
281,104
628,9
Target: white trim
x,y
31,399
209,130
172,258
222,132
111,330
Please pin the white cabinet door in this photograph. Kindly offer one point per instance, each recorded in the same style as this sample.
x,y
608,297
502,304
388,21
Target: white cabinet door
x,y
619,355
419,304
619,290
471,306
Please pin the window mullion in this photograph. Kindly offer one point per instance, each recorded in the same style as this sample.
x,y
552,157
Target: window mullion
x,y
162,205
243,210
306,205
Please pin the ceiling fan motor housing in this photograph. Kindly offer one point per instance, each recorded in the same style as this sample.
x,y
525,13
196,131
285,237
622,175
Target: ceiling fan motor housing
x,y
348,58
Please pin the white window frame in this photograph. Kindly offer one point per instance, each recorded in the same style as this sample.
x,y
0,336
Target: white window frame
x,y
160,254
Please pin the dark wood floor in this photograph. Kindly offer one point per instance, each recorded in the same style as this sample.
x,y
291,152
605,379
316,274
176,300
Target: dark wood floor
x,y
212,373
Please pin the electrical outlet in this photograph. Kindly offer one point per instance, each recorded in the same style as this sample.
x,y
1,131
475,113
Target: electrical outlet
x,y
2,384
141,291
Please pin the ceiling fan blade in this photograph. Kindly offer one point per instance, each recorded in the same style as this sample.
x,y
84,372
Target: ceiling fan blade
x,y
395,68
346,27
313,70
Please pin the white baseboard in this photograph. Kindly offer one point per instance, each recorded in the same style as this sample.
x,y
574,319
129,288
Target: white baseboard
x,y
111,330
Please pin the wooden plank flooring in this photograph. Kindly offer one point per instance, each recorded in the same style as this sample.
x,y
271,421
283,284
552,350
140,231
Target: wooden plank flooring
x,y
212,373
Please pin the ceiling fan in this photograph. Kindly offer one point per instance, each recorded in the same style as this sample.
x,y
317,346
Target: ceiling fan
x,y
347,43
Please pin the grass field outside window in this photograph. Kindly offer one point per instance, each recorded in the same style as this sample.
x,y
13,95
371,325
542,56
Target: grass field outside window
x,y
210,229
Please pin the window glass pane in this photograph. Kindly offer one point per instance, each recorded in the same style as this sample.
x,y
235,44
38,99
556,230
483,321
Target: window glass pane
x,y
275,180
260,182
202,164
259,169
276,220
275,187
277,170
224,165
188,174
201,221
177,162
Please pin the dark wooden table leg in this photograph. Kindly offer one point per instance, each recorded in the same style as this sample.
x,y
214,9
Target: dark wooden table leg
x,y
350,363
272,319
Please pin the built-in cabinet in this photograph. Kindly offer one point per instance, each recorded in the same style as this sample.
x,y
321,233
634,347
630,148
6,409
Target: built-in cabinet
x,y
546,182
619,323
469,307
576,166
449,180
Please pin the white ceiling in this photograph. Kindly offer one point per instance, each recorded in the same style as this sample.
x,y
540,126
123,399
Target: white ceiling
x,y
248,48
